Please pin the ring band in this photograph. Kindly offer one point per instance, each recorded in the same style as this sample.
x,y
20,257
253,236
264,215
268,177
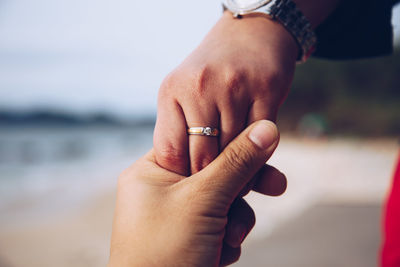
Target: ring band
x,y
207,131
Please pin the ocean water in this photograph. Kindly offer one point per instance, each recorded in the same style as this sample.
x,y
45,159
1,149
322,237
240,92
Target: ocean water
x,y
43,170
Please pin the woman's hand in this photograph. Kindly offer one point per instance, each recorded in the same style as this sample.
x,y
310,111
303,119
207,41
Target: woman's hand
x,y
240,73
165,219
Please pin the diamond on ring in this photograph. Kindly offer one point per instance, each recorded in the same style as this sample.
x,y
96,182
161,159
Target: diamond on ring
x,y
206,131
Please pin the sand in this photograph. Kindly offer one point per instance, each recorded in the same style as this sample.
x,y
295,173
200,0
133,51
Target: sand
x,y
329,216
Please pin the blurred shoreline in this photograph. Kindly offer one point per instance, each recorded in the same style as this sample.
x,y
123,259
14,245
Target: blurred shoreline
x,y
305,123
59,119
67,165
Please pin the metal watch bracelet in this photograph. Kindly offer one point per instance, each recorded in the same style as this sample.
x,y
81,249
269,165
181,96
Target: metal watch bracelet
x,y
286,12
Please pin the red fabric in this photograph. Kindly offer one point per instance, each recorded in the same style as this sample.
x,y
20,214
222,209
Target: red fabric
x,y
391,247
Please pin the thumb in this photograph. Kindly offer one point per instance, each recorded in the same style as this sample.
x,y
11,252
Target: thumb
x,y
241,159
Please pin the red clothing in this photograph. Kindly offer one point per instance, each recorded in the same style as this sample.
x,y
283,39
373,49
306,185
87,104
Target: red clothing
x,y
391,247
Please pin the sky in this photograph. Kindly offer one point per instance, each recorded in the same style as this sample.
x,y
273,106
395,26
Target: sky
x,y
97,55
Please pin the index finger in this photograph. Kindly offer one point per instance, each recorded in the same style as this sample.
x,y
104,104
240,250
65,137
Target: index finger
x,y
170,138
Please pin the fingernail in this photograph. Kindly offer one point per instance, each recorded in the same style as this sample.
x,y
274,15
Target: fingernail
x,y
263,134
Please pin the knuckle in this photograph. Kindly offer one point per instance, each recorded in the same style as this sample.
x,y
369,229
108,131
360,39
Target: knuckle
x,y
167,84
273,79
200,80
169,155
170,80
124,178
273,86
201,161
234,80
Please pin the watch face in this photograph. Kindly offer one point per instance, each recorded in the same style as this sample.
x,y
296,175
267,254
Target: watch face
x,y
245,5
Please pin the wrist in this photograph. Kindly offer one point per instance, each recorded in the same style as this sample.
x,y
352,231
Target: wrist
x,y
272,32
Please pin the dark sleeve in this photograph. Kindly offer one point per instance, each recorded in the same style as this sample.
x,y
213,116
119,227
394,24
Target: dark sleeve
x,y
357,29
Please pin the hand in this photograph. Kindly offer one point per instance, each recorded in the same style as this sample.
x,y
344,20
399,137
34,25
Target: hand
x,y
240,73
165,219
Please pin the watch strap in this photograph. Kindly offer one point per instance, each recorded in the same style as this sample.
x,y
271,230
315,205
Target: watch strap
x,y
286,12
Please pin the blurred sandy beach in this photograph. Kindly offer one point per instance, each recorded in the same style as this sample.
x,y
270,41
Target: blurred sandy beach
x,y
78,76
329,216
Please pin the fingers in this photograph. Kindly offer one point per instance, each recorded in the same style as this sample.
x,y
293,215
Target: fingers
x,y
270,181
170,138
229,255
241,220
262,109
202,149
229,115
233,121
240,160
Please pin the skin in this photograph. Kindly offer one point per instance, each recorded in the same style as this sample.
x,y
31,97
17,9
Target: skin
x,y
240,73
224,83
165,219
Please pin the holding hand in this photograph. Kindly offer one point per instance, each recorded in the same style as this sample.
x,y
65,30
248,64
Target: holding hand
x,y
239,74
165,219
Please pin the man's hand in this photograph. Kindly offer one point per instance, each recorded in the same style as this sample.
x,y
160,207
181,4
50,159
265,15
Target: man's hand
x,y
165,219
240,73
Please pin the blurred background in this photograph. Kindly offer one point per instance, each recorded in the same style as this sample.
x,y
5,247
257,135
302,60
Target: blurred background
x,y
78,90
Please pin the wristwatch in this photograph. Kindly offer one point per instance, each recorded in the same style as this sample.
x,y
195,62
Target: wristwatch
x,y
283,11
